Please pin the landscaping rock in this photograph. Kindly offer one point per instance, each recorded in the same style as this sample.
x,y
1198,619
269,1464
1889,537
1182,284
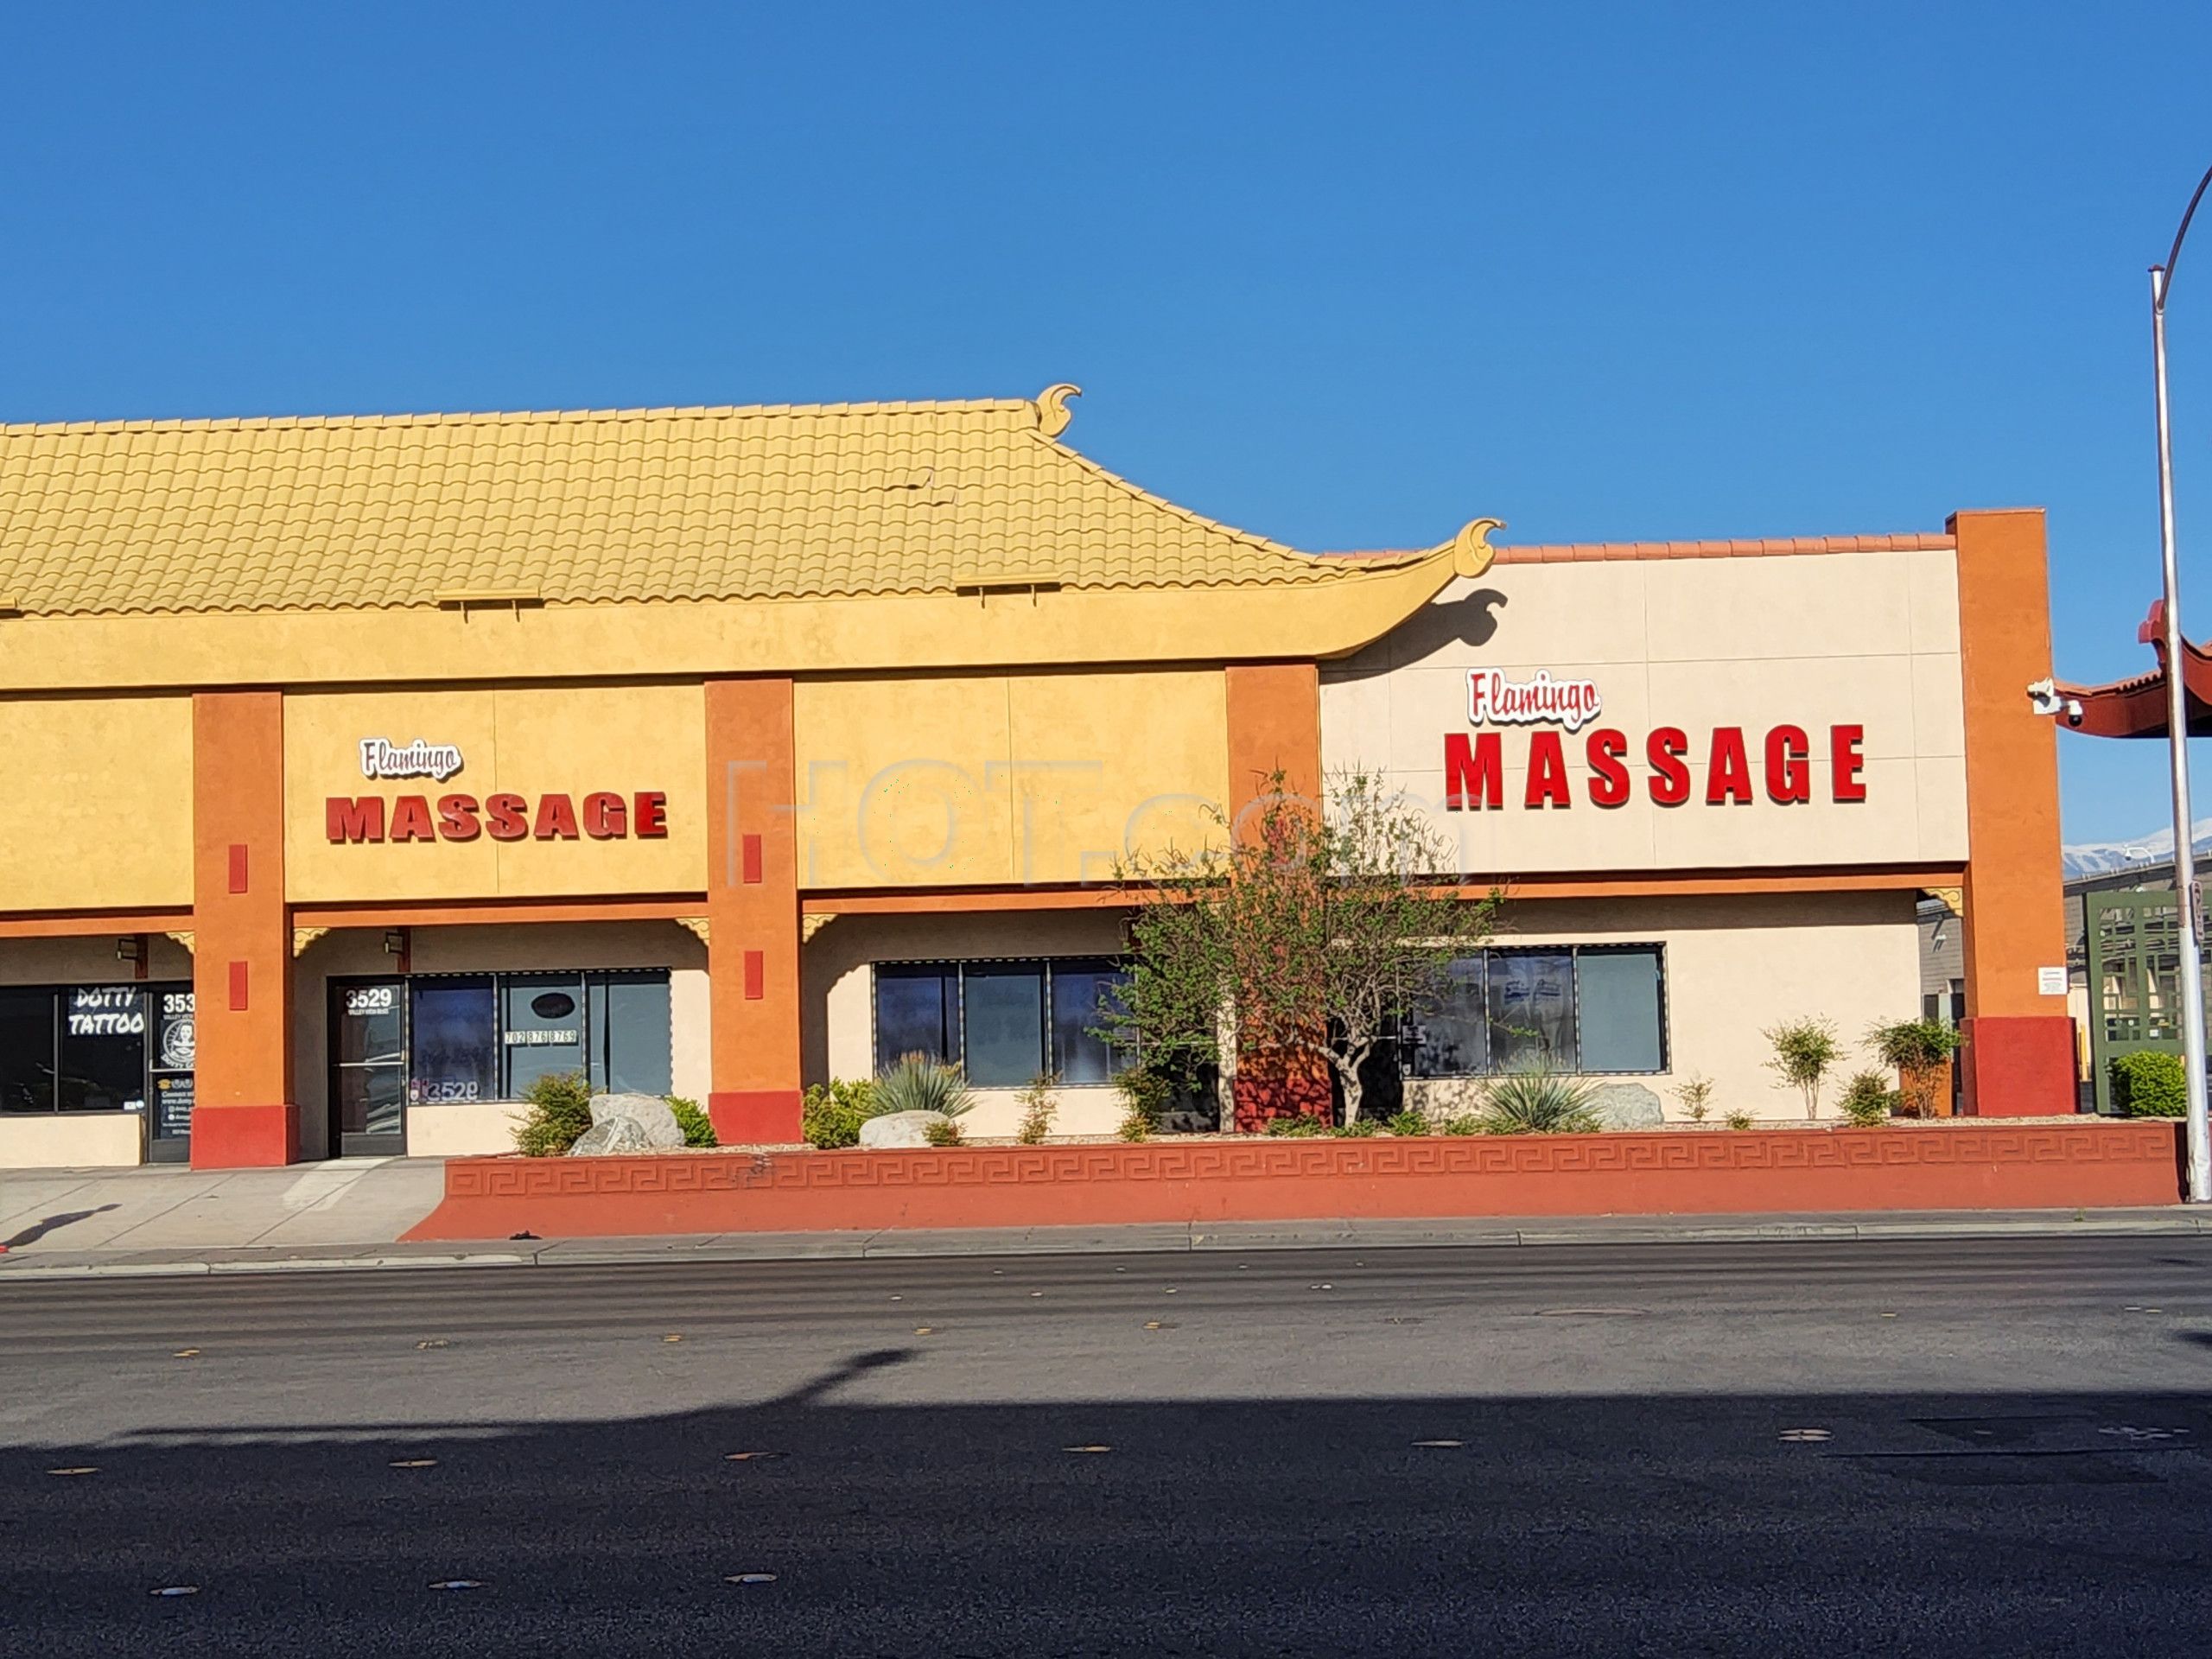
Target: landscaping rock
x,y
611,1136
1626,1106
648,1112
900,1128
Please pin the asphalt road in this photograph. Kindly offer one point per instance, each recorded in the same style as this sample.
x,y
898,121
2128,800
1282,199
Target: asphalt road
x,y
1951,1448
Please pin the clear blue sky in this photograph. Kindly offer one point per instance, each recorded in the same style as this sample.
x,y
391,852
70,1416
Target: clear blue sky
x,y
1347,276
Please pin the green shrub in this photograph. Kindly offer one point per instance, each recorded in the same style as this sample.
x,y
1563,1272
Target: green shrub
x,y
919,1083
1135,1125
1868,1101
1037,1109
1358,1129
945,1132
1803,1052
1146,1090
831,1116
698,1129
1738,1120
2150,1084
1461,1123
1303,1124
1537,1102
1409,1122
1910,1045
560,1111
1696,1092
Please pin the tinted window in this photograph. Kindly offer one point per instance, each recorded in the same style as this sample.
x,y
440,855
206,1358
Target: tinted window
x,y
1453,1040
1617,994
630,1045
26,1051
1531,1010
453,1040
538,1045
102,1049
1081,991
917,1012
1002,1005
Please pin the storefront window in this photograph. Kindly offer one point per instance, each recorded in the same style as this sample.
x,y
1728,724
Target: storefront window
x,y
85,1048
629,1023
917,1012
1004,1021
26,1051
1618,1009
453,1050
1082,994
542,1027
1591,1009
102,1050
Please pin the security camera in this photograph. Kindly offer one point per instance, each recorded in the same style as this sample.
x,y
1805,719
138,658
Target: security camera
x,y
2073,711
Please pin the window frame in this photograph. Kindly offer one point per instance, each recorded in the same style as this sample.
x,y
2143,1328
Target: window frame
x,y
1576,951
1090,960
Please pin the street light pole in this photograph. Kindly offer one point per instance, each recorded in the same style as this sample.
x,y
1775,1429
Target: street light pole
x,y
2186,910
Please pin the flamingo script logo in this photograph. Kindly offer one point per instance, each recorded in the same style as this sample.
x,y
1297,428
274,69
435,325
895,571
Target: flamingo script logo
x,y
1542,701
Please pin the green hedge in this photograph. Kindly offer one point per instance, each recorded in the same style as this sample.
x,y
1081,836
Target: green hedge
x,y
2149,1084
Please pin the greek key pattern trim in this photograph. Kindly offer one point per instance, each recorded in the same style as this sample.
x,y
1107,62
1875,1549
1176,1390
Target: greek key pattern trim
x,y
1264,1160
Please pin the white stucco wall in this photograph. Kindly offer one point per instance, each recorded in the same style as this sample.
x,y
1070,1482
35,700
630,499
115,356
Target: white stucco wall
x,y
72,1140
1815,640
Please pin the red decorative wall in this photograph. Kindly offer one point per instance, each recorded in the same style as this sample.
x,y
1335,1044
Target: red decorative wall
x,y
1951,1166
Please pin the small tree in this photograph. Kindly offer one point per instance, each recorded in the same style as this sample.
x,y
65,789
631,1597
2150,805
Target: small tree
x,y
1804,1050
1314,931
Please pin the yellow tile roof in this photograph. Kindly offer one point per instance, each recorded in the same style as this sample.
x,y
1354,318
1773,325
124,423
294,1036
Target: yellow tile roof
x,y
663,504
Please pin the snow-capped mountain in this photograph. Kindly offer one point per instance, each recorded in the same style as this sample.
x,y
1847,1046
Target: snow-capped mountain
x,y
2099,857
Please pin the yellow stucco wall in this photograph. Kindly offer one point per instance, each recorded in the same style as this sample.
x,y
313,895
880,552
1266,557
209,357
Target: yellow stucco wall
x,y
996,778
528,741
99,798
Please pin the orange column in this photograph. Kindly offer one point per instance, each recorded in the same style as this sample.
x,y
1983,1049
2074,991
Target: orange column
x,y
243,1111
1275,725
752,911
2018,1056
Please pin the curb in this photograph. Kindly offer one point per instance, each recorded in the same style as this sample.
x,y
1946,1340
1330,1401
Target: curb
x,y
1149,1241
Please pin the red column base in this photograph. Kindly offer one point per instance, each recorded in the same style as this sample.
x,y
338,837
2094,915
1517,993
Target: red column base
x,y
245,1137
2018,1065
755,1118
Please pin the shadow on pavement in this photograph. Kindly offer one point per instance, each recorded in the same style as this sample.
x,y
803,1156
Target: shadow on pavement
x,y
1901,1523
45,1225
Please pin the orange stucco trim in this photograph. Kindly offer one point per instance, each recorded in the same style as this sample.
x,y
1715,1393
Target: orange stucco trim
x,y
752,908
1274,724
477,912
242,944
2015,919
91,923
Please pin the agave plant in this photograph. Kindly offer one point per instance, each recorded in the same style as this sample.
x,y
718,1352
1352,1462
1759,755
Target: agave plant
x,y
919,1083
1537,1102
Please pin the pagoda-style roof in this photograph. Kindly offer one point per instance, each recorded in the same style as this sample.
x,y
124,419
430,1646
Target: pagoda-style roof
x,y
788,502
2137,707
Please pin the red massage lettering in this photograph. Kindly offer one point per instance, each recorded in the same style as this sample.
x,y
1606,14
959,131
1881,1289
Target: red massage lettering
x,y
606,818
1609,784
1670,778
1546,772
410,819
509,817
1728,775
1843,751
1473,776
649,816
346,819
457,818
1789,776
557,818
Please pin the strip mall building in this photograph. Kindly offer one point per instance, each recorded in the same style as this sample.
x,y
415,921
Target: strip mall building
x,y
358,771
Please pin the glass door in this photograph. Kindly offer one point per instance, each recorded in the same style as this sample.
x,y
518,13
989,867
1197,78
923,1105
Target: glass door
x,y
169,1055
368,1067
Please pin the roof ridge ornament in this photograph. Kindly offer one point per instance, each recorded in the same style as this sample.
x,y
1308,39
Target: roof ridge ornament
x,y
1471,553
1053,412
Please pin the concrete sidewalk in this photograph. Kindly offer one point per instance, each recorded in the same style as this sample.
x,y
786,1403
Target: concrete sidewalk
x,y
165,1221
167,1208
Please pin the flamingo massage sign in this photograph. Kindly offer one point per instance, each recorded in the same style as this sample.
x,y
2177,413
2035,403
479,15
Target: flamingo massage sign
x,y
1781,765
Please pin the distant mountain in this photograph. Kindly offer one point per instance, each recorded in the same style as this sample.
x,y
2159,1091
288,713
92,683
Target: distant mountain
x,y
2100,857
